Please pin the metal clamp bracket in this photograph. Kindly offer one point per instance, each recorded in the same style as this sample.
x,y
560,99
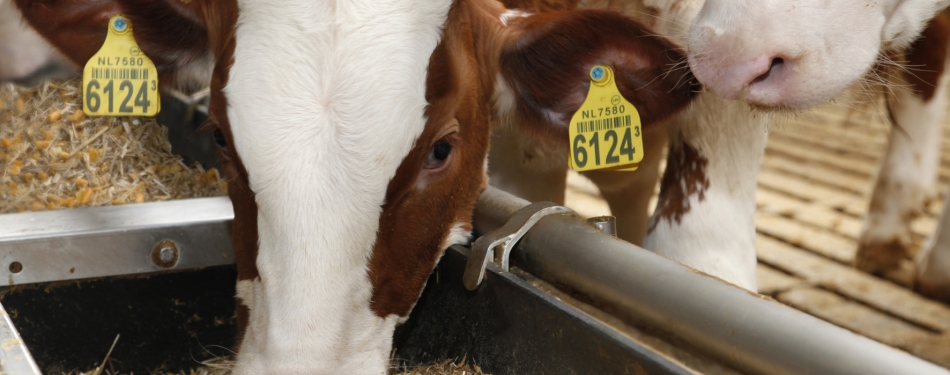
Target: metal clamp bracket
x,y
486,248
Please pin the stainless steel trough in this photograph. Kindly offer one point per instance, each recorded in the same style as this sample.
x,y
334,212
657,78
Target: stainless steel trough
x,y
160,274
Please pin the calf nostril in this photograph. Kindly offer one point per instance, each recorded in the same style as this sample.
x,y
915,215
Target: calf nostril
x,y
776,63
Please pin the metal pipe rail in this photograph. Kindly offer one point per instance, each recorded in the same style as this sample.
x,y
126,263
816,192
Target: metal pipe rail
x,y
750,333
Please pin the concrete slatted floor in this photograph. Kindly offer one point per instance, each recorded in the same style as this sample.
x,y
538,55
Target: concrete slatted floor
x,y
813,193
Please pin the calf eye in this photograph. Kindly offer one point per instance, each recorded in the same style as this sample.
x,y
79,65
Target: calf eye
x,y
220,140
439,154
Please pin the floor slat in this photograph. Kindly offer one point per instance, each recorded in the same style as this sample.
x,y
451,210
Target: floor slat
x,y
854,316
880,294
816,173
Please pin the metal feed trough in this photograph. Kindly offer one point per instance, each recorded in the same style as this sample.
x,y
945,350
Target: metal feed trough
x,y
574,300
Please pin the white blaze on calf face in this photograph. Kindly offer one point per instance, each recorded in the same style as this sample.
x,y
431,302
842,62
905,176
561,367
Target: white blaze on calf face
x,y
325,100
797,53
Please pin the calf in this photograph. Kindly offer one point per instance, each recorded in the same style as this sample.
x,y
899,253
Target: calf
x,y
908,176
924,112
758,59
782,68
357,133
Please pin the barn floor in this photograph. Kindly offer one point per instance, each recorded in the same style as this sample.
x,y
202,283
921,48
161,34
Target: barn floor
x,y
811,198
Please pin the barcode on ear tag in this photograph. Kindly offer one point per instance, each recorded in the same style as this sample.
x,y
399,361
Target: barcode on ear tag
x,y
120,80
605,133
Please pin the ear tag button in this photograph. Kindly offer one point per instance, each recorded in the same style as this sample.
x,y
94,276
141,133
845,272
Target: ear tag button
x,y
605,132
120,80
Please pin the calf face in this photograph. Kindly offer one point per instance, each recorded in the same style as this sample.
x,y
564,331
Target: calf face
x,y
356,134
798,53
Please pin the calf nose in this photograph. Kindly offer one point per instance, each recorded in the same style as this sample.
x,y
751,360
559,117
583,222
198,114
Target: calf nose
x,y
758,80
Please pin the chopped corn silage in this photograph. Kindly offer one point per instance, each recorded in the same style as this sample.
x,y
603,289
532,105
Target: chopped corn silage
x,y
52,156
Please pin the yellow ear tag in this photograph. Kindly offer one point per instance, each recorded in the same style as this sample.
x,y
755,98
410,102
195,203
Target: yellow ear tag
x,y
605,131
120,80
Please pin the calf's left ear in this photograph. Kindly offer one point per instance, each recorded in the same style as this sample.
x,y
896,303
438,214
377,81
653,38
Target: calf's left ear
x,y
168,31
545,64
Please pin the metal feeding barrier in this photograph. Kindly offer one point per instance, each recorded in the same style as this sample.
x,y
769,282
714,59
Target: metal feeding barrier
x,y
748,332
740,329
162,275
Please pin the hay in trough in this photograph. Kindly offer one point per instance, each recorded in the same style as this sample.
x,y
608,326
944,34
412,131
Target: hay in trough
x,y
52,156
449,367
223,367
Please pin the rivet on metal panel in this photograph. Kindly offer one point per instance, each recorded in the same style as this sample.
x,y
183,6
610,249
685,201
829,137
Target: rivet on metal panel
x,y
606,224
16,267
165,254
486,247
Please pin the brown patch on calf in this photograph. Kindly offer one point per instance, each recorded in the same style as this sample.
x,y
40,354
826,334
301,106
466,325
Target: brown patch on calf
x,y
539,6
244,235
684,178
927,57
220,40
416,220
880,254
78,29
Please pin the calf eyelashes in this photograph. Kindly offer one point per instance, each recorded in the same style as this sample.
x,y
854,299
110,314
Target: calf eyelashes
x,y
442,149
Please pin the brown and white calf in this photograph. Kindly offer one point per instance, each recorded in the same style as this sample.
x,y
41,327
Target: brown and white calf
x,y
758,59
908,176
777,55
924,110
357,135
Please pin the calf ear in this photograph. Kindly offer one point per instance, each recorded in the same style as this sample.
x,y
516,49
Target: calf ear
x,y
546,61
170,35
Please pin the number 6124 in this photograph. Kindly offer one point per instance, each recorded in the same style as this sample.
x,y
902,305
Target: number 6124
x,y
581,146
94,100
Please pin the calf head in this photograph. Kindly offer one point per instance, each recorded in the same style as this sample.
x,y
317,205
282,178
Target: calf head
x,y
357,133
798,53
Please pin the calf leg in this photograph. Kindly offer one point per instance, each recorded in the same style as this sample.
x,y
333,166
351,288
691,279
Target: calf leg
x,y
908,174
524,168
706,210
932,275
628,193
